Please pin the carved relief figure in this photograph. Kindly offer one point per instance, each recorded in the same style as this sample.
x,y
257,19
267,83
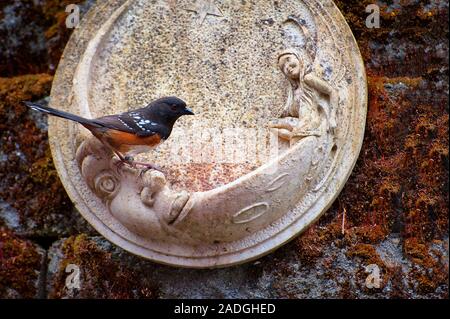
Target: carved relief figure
x,y
142,201
303,114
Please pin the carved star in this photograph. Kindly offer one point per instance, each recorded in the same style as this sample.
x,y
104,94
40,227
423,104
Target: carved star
x,y
204,8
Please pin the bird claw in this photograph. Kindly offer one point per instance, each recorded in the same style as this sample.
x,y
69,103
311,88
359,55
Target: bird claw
x,y
129,160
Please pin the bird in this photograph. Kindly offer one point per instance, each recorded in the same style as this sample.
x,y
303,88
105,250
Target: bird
x,y
130,133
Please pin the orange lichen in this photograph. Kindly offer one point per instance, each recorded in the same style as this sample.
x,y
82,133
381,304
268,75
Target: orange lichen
x,y
366,252
400,182
369,256
310,245
20,263
434,271
33,187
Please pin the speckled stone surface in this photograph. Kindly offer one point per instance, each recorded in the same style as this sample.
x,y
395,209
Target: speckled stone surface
x,y
222,67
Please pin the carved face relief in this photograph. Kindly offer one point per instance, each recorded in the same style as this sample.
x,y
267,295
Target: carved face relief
x,y
238,73
290,65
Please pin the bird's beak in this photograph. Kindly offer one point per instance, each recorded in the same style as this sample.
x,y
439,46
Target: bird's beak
x,y
188,111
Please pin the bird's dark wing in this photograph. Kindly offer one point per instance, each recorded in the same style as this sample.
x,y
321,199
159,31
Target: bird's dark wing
x,y
131,122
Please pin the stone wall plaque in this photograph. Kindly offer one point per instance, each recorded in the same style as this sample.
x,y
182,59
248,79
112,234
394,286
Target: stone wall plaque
x,y
287,74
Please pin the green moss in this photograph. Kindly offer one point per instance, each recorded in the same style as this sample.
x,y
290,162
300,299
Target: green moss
x,y
30,183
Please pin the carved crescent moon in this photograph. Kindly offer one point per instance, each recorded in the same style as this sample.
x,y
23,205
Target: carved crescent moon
x,y
231,224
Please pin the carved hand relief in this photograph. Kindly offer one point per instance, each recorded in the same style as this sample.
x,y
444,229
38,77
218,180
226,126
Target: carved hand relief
x,y
291,70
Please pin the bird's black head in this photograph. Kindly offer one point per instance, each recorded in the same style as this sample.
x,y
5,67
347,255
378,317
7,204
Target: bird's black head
x,y
169,109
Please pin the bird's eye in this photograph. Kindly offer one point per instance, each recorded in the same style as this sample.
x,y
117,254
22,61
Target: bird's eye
x,y
173,107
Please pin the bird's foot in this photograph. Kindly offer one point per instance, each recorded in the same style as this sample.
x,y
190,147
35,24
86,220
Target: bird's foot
x,y
129,160
146,166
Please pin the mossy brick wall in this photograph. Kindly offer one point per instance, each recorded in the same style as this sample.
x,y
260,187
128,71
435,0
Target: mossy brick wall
x,y
394,206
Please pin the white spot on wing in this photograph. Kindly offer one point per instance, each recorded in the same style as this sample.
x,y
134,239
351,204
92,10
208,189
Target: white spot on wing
x,y
123,122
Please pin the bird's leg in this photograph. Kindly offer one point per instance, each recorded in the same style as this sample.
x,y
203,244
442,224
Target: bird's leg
x,y
130,161
126,159
123,160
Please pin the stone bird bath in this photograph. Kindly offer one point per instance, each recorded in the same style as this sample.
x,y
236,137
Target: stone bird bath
x,y
278,85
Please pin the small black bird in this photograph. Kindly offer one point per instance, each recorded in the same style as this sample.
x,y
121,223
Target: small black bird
x,y
130,133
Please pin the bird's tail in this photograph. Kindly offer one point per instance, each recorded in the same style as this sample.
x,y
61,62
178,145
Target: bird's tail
x,y
65,115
